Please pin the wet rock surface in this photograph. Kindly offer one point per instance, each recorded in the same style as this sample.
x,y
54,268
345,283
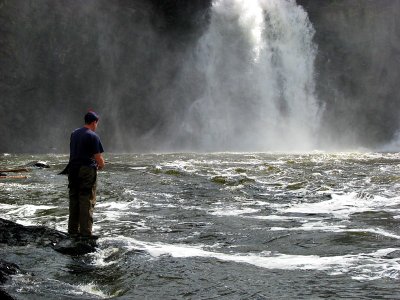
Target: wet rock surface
x,y
13,234
75,247
6,269
38,164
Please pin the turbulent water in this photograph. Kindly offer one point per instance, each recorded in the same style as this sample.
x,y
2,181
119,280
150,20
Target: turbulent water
x,y
216,226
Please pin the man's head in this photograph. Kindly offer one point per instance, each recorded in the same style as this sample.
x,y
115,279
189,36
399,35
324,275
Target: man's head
x,y
91,119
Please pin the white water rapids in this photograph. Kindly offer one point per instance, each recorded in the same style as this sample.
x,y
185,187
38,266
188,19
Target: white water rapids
x,y
214,226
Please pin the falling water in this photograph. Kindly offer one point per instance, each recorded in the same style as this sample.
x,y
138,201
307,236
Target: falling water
x,y
257,58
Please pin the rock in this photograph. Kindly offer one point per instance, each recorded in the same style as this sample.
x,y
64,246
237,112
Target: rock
x,y
14,234
6,269
38,164
41,164
393,255
5,296
75,247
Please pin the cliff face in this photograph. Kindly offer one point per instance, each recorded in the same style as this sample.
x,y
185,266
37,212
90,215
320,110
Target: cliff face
x,y
357,67
60,58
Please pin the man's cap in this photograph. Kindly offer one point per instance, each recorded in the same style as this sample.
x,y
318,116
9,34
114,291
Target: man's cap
x,y
91,116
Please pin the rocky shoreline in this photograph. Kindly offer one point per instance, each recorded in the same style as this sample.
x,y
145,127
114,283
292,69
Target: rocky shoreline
x,y
14,234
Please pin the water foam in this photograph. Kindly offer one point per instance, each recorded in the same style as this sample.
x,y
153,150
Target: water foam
x,y
342,206
362,266
23,213
227,211
92,289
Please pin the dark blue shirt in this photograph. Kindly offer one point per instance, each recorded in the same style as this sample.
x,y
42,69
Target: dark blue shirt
x,y
84,145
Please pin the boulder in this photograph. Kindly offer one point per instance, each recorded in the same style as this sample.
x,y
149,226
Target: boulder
x,y
14,234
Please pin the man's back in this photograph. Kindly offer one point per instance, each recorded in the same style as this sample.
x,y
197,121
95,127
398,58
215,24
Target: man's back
x,y
84,145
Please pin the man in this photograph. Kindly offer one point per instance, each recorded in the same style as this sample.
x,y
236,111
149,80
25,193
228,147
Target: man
x,y
84,161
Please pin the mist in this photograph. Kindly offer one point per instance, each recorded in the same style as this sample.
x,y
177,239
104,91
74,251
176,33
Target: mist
x,y
357,71
226,75
257,60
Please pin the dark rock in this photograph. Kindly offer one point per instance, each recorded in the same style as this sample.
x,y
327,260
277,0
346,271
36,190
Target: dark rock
x,y
5,296
357,80
14,234
393,255
41,165
75,247
7,269
38,164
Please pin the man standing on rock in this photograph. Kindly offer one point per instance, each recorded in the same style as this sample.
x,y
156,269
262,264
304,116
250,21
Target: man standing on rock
x,y
84,161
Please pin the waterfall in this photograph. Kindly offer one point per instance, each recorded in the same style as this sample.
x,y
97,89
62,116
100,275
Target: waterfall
x,y
257,60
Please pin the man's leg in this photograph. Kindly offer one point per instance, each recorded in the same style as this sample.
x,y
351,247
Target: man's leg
x,y
87,199
73,221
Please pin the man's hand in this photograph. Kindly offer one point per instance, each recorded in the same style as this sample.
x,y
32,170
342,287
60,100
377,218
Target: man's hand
x,y
100,161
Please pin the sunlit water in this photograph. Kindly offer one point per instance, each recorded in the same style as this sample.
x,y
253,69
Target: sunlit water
x,y
216,226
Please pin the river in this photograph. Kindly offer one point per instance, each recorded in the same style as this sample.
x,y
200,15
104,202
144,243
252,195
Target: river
x,y
215,226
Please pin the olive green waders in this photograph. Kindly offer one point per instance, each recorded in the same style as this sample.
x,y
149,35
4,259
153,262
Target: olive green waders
x,y
82,198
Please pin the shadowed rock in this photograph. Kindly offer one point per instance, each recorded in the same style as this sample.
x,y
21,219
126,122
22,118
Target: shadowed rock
x,y
75,247
393,255
5,296
6,269
14,234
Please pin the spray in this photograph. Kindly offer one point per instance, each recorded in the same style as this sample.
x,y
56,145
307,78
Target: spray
x,y
257,58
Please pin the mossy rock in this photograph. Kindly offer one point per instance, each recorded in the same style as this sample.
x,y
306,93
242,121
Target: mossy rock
x,y
246,180
231,182
271,169
173,172
219,180
295,186
156,171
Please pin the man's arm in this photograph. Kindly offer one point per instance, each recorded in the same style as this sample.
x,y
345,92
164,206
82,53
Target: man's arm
x,y
100,160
